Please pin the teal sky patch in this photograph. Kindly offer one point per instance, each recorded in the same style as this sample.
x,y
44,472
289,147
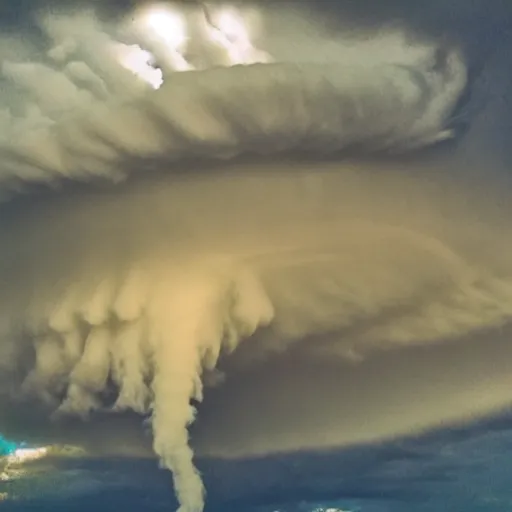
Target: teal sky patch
x,y
6,447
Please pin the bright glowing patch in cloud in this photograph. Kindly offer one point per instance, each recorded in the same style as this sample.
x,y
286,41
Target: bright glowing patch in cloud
x,y
227,29
139,62
22,455
168,25
12,463
232,26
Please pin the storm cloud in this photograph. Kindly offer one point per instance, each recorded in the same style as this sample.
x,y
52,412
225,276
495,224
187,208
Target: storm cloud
x,y
186,196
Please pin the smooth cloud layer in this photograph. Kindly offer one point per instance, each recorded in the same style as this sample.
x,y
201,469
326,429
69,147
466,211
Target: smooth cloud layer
x,y
129,297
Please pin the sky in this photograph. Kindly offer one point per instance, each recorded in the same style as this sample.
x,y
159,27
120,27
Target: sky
x,y
263,229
